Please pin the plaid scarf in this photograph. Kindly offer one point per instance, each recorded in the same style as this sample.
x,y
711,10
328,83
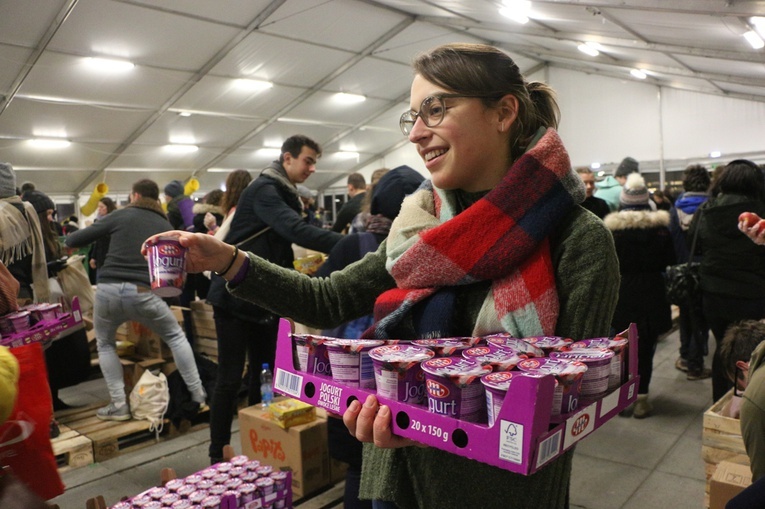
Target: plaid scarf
x,y
503,238
20,236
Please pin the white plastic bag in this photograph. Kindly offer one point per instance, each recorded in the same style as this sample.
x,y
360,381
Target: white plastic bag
x,y
150,398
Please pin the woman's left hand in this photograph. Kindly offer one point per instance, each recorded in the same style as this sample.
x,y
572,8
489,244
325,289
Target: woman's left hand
x,y
371,422
755,232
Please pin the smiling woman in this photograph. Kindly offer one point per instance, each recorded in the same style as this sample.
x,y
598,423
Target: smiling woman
x,y
495,242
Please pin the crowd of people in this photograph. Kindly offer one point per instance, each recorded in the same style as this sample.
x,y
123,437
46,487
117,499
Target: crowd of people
x,y
581,256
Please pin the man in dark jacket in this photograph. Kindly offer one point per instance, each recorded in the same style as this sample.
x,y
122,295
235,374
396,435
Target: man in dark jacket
x,y
357,187
592,203
124,293
267,222
180,208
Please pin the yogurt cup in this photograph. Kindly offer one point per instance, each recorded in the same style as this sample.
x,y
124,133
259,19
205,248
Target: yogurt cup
x,y
312,354
19,321
239,460
569,375
454,388
247,492
167,266
169,499
598,362
210,502
280,480
620,347
350,361
186,490
265,485
496,385
519,346
500,359
445,347
182,504
548,343
264,470
173,484
398,374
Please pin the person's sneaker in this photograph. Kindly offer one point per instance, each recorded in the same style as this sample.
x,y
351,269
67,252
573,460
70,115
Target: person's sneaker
x,y
111,413
643,408
702,374
681,364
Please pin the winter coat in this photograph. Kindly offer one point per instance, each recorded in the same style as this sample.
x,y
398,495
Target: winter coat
x,y
644,247
680,217
732,264
609,189
200,210
753,413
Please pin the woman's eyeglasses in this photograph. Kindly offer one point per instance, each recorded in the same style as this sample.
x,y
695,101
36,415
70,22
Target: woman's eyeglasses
x,y
432,110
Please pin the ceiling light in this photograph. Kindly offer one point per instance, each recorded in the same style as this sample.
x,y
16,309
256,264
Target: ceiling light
x,y
516,10
715,153
109,64
601,173
595,166
759,24
589,48
253,85
49,142
347,154
269,152
638,73
346,98
754,39
184,114
181,148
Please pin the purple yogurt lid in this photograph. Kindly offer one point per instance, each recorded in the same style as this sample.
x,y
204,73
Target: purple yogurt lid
x,y
564,370
519,346
354,345
401,355
444,347
500,359
585,355
459,371
499,380
616,343
264,481
548,342
312,339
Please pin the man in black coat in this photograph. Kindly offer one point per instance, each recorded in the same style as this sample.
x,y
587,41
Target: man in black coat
x,y
597,206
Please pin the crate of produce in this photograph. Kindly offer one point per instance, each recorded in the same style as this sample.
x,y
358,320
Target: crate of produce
x,y
523,438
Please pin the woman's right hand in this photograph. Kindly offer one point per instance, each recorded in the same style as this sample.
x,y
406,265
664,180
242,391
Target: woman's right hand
x,y
204,252
371,422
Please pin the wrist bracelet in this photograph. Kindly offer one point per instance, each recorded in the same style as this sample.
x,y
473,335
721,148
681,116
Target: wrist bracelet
x,y
233,259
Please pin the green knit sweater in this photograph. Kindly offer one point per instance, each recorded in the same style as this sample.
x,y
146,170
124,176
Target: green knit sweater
x,y
587,279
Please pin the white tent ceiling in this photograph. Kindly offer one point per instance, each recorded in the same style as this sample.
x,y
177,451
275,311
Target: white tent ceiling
x,y
188,55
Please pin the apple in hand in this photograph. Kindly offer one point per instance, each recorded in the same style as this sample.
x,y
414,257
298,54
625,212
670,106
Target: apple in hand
x,y
749,219
759,226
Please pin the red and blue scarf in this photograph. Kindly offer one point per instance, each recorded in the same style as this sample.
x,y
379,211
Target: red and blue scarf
x,y
434,248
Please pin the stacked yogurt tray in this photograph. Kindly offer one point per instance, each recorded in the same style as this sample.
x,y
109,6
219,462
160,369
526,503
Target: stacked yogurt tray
x,y
38,323
529,419
240,483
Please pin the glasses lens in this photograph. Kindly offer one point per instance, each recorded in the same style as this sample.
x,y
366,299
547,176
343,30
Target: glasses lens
x,y
406,122
432,111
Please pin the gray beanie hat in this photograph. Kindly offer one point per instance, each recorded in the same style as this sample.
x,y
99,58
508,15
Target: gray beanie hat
x,y
627,166
7,180
174,188
634,193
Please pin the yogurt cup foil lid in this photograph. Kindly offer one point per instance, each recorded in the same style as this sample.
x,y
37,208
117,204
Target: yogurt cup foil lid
x,y
311,339
459,371
506,358
552,366
401,354
584,354
548,342
519,346
354,345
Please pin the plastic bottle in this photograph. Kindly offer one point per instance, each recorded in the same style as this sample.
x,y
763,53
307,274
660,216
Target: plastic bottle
x,y
266,386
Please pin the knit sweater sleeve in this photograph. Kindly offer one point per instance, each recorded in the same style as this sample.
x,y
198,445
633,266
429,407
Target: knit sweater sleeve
x,y
317,302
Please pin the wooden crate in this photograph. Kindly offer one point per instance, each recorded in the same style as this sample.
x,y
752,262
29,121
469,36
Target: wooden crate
x,y
71,449
721,440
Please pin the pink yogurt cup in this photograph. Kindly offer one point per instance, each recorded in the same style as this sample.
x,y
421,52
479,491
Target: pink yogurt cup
x,y
519,346
496,385
598,362
20,320
398,374
167,266
351,364
548,343
312,354
445,347
569,376
500,359
454,388
620,347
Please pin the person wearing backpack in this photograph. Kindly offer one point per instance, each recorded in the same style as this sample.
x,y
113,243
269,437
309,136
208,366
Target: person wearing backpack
x,y
387,196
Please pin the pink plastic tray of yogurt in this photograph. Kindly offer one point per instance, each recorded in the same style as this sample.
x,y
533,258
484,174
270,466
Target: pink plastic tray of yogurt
x,y
523,438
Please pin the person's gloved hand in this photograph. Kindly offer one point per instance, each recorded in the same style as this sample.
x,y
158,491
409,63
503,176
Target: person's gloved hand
x,y
210,222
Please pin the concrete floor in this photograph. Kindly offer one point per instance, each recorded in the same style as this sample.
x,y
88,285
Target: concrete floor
x,y
626,464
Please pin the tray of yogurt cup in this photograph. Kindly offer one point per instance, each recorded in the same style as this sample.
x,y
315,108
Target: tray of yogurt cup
x,y
510,402
41,322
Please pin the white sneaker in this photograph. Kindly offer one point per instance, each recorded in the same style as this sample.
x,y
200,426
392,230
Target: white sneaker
x,y
111,413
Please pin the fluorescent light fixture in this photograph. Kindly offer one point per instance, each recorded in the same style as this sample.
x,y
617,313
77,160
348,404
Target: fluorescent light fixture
x,y
715,153
269,152
589,48
595,166
184,114
346,98
181,148
759,24
516,10
754,39
49,142
253,85
347,154
109,64
601,173
638,73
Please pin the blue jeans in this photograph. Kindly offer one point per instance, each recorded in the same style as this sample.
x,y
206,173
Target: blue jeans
x,y
117,303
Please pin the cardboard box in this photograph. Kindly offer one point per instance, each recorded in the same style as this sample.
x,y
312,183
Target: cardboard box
x,y
729,480
302,448
524,438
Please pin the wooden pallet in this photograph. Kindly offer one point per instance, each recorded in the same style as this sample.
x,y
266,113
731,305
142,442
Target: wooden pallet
x,y
71,449
332,498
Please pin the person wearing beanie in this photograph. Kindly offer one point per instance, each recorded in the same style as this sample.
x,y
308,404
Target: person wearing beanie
x,y
180,208
40,201
21,244
644,247
387,196
610,188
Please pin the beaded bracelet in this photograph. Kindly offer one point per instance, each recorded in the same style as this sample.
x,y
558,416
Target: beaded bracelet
x,y
233,259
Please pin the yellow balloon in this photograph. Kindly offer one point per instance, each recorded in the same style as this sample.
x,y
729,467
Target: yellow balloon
x,y
98,192
191,186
